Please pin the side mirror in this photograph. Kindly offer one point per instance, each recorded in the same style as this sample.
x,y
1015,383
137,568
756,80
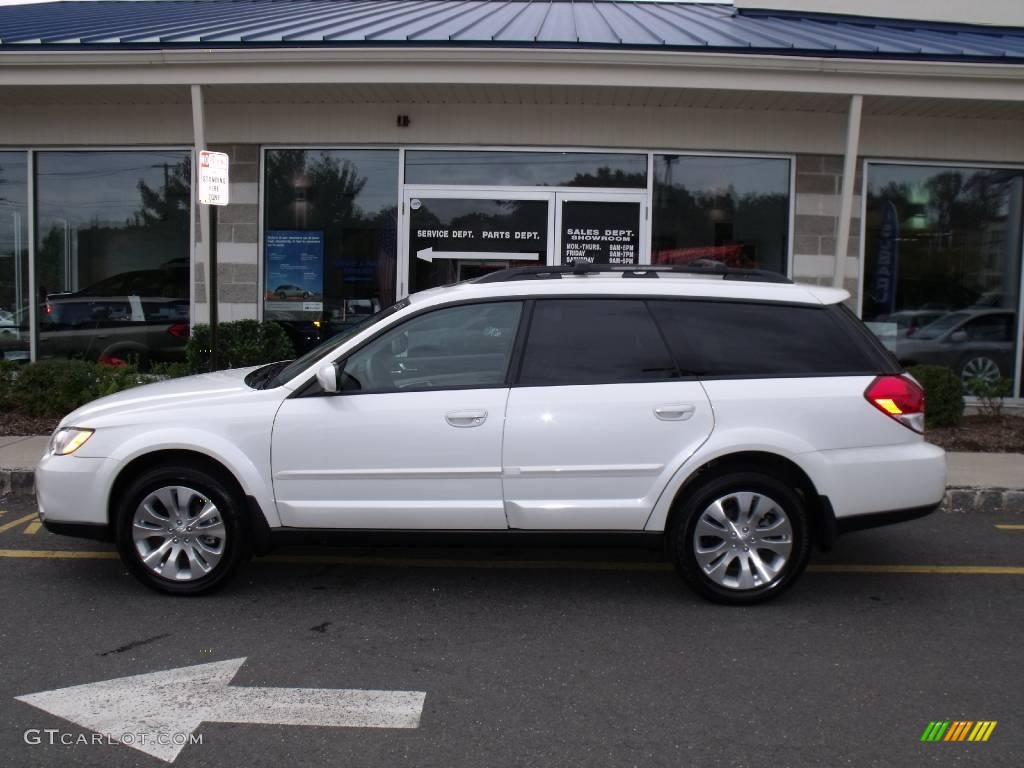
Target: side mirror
x,y
958,336
327,378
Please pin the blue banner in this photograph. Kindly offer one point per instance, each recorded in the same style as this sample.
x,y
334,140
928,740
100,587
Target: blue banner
x,y
883,283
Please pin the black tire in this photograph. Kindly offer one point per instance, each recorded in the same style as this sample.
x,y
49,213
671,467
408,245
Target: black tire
x,y
281,295
230,511
683,527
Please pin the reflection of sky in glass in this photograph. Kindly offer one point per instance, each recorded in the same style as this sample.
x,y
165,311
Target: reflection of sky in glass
x,y
514,169
715,175
101,187
13,196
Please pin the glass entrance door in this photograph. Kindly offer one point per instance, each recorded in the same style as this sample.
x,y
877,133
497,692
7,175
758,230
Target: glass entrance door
x,y
598,228
455,235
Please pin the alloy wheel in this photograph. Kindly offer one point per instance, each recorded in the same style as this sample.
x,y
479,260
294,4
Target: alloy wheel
x,y
178,533
743,540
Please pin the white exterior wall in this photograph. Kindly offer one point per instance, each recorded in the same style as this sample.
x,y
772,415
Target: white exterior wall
x,y
535,125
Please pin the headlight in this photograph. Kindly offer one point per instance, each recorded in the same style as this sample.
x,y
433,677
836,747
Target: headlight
x,y
68,440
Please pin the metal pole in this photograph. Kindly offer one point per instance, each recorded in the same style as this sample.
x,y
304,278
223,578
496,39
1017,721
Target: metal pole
x,y
206,233
212,281
846,197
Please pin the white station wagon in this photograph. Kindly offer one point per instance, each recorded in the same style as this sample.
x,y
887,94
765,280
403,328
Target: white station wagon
x,y
730,414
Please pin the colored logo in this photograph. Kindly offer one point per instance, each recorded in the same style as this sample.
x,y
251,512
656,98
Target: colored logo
x,y
958,730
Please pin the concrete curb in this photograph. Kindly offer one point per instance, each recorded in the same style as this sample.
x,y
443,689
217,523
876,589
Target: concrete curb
x,y
20,484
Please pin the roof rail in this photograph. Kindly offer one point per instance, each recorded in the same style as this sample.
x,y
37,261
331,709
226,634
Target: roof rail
x,y
582,269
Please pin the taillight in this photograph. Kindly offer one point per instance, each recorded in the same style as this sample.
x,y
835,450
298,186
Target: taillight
x,y
178,330
900,398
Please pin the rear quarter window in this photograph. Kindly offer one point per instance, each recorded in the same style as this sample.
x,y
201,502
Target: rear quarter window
x,y
726,339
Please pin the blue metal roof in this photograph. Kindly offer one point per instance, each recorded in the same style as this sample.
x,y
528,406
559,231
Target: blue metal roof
x,y
679,26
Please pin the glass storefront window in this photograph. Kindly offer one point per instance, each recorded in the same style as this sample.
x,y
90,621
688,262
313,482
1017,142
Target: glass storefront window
x,y
942,266
330,238
734,210
526,169
14,320
112,254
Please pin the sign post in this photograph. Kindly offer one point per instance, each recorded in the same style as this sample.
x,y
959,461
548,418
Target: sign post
x,y
213,191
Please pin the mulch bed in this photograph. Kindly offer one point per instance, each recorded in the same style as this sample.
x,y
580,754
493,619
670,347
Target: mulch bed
x,y
16,424
981,434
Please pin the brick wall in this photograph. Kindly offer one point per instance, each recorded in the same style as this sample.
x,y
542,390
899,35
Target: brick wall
x,y
819,180
237,241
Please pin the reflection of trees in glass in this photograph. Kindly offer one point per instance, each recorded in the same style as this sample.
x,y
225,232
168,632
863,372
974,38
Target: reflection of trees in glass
x,y
700,218
318,191
149,237
606,177
953,241
307,190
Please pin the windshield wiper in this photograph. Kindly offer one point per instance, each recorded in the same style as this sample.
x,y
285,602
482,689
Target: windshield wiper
x,y
259,378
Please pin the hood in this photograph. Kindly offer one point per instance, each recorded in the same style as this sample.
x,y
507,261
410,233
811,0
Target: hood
x,y
205,388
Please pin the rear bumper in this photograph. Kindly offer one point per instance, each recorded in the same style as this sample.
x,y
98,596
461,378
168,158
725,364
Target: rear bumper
x,y
94,531
862,482
828,527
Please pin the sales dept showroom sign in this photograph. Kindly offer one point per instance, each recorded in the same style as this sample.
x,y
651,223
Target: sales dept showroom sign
x,y
600,232
213,178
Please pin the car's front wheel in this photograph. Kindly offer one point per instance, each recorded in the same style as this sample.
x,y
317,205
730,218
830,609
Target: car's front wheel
x,y
740,538
181,530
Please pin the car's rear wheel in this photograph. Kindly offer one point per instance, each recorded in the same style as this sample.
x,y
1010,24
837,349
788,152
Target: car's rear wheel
x,y
740,538
181,530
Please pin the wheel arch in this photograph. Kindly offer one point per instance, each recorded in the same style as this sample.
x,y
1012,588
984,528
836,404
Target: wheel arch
x,y
819,511
174,456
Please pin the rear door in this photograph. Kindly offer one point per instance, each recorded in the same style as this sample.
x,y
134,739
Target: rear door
x,y
599,418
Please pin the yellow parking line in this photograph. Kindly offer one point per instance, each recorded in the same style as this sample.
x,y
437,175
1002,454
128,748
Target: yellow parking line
x,y
412,562
16,523
33,527
1008,527
52,554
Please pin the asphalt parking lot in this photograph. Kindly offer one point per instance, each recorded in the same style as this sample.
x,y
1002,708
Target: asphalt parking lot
x,y
538,657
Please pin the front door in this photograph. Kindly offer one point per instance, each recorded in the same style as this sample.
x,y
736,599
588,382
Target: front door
x,y
414,438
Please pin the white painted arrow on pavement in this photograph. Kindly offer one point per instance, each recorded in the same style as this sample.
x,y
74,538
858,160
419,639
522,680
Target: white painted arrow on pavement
x,y
429,254
145,711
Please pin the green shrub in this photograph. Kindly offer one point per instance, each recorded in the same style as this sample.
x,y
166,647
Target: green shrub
x,y
239,344
159,371
53,388
990,394
943,392
8,373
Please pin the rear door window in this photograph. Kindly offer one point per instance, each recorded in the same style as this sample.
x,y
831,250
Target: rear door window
x,y
726,339
593,341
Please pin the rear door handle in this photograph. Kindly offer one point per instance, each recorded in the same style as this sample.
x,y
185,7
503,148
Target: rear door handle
x,y
463,419
675,412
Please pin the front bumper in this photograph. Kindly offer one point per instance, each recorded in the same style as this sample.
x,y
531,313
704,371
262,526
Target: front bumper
x,y
72,490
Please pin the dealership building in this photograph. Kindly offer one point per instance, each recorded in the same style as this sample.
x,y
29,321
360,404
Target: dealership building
x,y
381,147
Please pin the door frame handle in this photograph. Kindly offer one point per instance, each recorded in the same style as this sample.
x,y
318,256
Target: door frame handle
x,y
676,412
465,419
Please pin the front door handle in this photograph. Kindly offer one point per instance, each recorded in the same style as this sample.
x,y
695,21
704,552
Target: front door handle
x,y
464,419
675,412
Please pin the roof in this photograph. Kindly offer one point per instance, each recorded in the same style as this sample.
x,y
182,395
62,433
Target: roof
x,y
615,24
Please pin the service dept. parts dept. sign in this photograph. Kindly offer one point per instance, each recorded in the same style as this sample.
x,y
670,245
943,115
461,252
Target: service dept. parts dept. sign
x,y
213,178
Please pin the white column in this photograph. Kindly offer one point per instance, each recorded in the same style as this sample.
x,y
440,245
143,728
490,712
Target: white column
x,y
846,196
199,137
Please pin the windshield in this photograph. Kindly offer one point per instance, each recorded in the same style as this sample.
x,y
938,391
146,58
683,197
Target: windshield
x,y
940,326
324,350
